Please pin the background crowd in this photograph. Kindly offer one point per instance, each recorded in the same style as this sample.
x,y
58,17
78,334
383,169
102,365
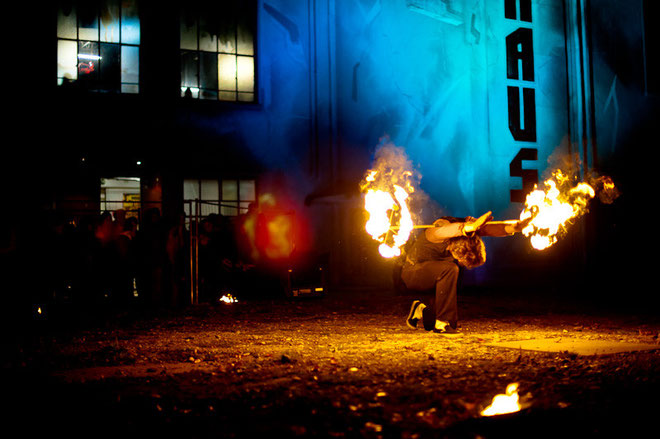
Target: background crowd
x,y
117,262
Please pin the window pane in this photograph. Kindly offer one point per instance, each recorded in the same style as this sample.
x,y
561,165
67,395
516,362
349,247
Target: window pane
x,y
190,189
189,70
110,21
229,208
246,190
190,192
208,72
243,207
130,22
246,97
88,21
245,39
130,64
226,72
227,95
88,58
209,208
245,28
130,88
245,73
188,35
208,40
227,32
67,59
211,95
229,190
209,190
67,26
109,67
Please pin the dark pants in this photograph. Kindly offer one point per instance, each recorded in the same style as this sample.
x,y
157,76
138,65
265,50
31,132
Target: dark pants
x,y
441,276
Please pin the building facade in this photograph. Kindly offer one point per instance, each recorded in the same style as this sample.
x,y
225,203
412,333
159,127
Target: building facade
x,y
211,108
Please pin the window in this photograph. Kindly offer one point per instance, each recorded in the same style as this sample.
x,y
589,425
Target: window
x,y
218,50
237,196
98,45
227,197
120,193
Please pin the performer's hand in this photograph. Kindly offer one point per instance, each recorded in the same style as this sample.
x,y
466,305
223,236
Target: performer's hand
x,y
473,226
520,225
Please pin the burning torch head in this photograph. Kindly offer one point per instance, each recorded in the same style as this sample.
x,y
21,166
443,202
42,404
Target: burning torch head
x,y
469,251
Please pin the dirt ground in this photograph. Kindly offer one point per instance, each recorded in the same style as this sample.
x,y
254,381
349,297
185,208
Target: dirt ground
x,y
344,365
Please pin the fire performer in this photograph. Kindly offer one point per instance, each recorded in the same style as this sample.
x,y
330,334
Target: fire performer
x,y
434,260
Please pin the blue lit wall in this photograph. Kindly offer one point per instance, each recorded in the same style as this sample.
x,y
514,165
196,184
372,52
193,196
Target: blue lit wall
x,y
437,86
334,77
435,80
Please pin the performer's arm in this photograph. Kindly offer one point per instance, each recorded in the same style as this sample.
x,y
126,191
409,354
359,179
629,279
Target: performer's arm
x,y
447,230
503,228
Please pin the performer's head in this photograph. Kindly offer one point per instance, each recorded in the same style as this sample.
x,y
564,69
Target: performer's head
x,y
469,251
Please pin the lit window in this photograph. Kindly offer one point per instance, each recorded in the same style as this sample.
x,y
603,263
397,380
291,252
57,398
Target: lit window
x,y
217,41
120,193
227,197
98,45
236,196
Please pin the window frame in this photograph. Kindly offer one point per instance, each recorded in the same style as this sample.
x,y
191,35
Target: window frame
x,y
196,94
97,85
221,202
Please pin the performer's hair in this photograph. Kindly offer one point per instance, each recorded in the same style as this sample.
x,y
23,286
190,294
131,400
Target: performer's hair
x,y
469,251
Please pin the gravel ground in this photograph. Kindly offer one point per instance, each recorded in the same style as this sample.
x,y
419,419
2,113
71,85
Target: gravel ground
x,y
344,365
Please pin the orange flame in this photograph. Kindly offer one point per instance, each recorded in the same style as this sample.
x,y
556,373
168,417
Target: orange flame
x,y
504,403
553,209
387,188
382,208
228,298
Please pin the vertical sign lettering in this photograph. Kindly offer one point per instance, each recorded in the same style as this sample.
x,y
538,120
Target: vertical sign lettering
x,y
521,97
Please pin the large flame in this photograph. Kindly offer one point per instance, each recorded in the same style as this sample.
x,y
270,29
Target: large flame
x,y
551,210
383,209
387,188
504,403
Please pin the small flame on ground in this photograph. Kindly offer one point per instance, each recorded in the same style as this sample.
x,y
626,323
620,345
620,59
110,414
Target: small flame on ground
x,y
504,403
553,209
228,298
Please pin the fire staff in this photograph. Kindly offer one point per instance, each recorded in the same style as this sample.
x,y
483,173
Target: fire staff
x,y
433,263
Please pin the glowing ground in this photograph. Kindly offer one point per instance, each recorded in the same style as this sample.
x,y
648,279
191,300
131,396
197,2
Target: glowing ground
x,y
341,366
